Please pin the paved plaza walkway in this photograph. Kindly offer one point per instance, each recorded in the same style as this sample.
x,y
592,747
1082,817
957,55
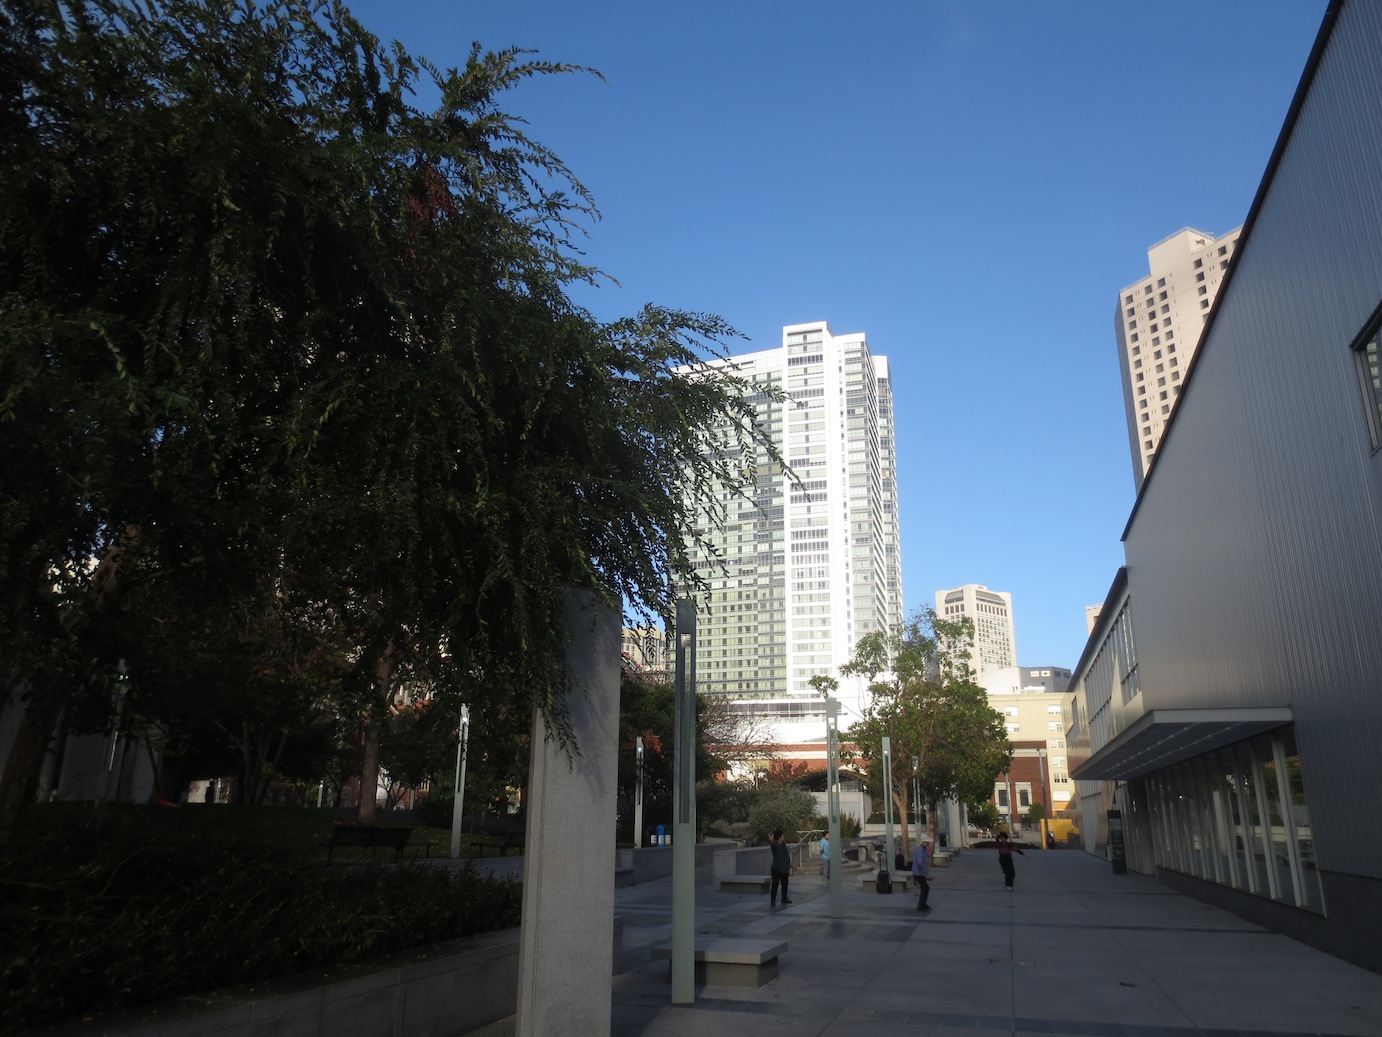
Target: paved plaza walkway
x,y
1073,949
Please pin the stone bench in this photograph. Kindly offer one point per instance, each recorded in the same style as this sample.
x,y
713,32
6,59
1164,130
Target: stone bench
x,y
728,961
900,881
745,884
941,859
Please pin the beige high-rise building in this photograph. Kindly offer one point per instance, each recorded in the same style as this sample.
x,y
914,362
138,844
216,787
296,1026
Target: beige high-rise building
x,y
995,642
1158,321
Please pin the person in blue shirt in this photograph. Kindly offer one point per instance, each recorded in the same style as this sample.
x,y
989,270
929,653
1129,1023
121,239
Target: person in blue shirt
x,y
824,848
921,870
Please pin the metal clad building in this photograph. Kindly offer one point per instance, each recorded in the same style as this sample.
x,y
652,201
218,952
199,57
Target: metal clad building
x,y
1247,746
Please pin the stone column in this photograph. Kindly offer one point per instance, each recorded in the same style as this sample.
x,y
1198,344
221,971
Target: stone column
x,y
566,938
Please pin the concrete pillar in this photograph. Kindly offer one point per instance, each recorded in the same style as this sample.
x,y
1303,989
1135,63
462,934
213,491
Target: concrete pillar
x,y
566,937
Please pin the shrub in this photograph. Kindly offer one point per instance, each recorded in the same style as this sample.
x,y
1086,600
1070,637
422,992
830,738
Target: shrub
x,y
850,827
779,806
121,912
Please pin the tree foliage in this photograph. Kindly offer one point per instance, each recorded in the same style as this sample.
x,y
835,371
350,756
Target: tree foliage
x,y
924,699
295,402
777,805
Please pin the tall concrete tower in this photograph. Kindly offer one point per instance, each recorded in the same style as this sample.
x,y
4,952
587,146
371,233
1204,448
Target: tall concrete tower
x,y
1158,321
995,641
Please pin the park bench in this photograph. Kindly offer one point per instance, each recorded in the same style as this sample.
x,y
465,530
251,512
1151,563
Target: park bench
x,y
729,961
369,837
512,839
745,884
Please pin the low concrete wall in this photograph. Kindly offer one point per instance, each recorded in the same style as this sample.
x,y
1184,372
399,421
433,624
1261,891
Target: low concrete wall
x,y
650,863
449,988
747,860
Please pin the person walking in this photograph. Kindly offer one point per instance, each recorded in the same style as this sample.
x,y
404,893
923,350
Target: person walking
x,y
1005,858
921,871
781,868
824,848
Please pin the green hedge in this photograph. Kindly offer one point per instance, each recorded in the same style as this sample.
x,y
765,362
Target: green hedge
x,y
99,911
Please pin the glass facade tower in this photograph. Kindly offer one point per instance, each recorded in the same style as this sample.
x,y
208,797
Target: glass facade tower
x,y
805,564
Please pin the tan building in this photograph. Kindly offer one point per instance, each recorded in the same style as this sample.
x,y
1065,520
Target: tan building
x,y
995,641
1158,321
1033,720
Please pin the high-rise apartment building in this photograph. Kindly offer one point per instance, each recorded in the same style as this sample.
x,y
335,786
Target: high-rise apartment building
x,y
992,612
1158,322
805,566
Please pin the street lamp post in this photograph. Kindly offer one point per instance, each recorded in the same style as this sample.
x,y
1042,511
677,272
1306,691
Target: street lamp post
x,y
832,758
638,794
463,736
684,811
1045,801
916,797
888,846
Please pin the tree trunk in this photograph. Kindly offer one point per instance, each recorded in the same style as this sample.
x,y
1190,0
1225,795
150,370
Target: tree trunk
x,y
369,772
369,769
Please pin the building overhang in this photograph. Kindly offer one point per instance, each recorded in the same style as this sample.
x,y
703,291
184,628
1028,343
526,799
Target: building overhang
x,y
1164,737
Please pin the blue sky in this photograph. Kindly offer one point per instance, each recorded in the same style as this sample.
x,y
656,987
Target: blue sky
x,y
968,182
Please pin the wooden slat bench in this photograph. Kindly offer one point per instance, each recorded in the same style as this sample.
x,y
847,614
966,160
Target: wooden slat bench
x,y
728,961
369,837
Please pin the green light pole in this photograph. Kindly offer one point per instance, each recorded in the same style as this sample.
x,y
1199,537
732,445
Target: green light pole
x,y
889,846
638,795
918,831
462,738
832,755
684,812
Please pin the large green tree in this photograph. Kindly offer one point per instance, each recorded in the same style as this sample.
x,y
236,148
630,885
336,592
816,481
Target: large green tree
x,y
288,368
924,699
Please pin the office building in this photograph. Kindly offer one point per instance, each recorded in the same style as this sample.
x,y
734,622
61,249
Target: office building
x,y
992,612
1158,321
806,564
1227,705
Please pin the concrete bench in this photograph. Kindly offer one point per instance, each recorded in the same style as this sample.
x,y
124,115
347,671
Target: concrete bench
x,y
727,961
900,881
746,884
941,859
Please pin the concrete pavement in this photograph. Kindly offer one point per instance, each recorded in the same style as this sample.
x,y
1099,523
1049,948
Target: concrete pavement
x,y
1072,949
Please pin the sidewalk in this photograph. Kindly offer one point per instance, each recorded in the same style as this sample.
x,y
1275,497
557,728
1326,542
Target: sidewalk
x,y
1073,949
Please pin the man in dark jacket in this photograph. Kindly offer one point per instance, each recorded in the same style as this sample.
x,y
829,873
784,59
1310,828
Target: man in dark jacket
x,y
781,869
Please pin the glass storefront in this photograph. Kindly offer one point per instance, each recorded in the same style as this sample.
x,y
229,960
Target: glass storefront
x,y
1238,817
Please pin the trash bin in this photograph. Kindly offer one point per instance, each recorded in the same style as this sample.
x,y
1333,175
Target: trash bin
x,y
940,837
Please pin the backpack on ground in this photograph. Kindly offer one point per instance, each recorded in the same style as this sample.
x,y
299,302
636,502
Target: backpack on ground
x,y
885,881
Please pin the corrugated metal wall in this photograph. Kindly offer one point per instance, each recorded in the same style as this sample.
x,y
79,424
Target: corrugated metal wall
x,y
1255,553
